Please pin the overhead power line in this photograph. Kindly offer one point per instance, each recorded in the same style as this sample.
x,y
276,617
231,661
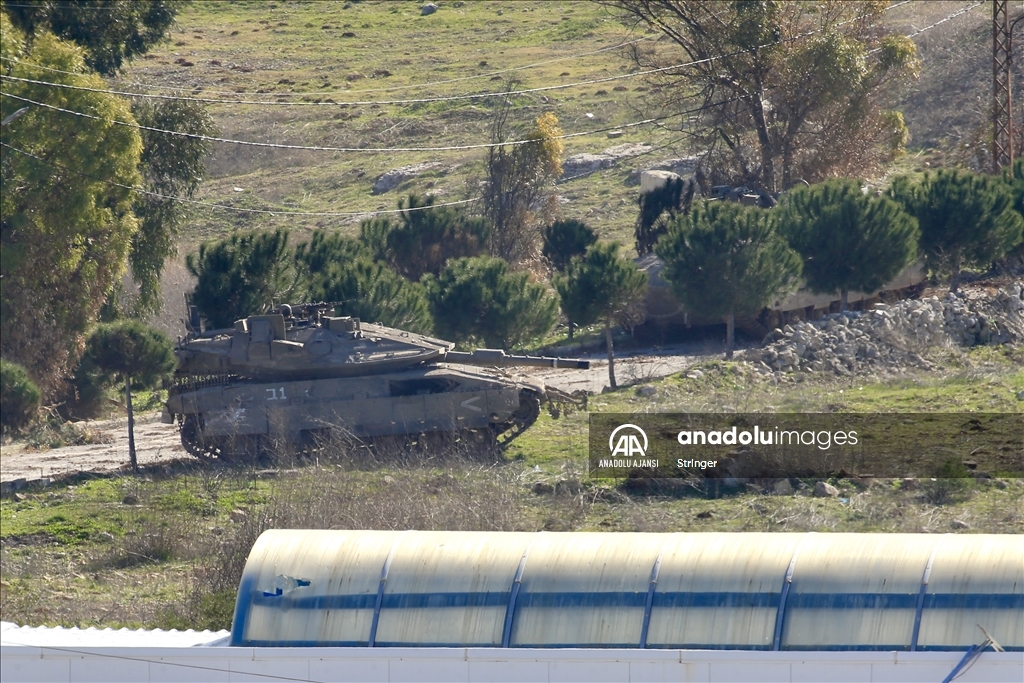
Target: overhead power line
x,y
450,98
919,31
419,100
212,205
318,148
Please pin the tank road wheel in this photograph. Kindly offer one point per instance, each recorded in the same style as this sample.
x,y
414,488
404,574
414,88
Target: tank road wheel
x,y
193,441
525,415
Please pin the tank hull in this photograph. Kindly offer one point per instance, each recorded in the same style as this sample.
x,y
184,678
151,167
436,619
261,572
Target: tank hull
x,y
234,418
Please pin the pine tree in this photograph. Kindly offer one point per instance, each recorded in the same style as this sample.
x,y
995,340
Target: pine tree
x,y
966,219
241,276
725,260
131,352
371,291
565,239
848,240
479,300
425,238
602,285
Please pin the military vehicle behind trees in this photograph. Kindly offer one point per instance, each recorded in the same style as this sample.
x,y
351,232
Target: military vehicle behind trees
x,y
298,374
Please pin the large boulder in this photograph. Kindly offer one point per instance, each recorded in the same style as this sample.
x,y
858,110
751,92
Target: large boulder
x,y
584,164
389,180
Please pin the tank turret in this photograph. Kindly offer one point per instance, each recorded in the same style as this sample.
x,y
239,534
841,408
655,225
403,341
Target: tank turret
x,y
296,373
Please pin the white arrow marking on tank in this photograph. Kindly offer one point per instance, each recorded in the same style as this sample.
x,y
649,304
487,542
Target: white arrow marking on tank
x,y
468,401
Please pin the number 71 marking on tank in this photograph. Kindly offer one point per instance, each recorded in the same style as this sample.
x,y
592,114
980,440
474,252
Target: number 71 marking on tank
x,y
274,395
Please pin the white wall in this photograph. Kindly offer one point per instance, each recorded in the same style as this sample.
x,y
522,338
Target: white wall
x,y
114,665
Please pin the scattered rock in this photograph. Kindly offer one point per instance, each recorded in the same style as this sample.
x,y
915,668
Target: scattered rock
x,y
18,497
707,514
682,167
615,134
909,484
823,489
584,164
959,524
1020,395
389,180
694,374
542,488
130,499
388,479
885,337
428,9
105,536
237,515
783,487
646,391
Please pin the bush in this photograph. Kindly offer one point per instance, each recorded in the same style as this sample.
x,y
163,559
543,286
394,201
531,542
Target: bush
x,y
19,396
952,484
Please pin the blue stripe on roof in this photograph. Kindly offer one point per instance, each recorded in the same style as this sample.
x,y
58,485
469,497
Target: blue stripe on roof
x,y
721,599
582,599
974,601
799,600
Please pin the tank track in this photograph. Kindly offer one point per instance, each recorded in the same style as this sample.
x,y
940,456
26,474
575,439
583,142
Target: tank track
x,y
525,415
244,449
206,449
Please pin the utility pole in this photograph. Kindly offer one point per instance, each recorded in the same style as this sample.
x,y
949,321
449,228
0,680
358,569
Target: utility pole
x,y
1002,105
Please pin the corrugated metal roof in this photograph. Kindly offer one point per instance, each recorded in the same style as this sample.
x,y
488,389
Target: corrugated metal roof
x,y
731,590
57,636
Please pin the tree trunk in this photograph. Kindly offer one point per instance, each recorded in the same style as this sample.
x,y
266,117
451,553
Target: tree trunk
x,y
844,299
131,424
764,142
571,327
611,352
954,282
730,334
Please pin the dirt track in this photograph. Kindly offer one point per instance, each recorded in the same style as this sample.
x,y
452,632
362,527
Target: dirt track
x,y
156,442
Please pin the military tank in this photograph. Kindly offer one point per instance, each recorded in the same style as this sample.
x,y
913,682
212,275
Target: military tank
x,y
297,374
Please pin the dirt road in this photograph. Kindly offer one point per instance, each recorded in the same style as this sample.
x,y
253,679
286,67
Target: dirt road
x,y
157,443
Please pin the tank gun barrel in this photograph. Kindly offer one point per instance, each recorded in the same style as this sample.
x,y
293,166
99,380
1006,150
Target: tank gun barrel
x,y
497,357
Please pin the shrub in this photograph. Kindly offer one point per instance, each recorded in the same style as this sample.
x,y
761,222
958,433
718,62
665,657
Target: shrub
x,y
19,396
